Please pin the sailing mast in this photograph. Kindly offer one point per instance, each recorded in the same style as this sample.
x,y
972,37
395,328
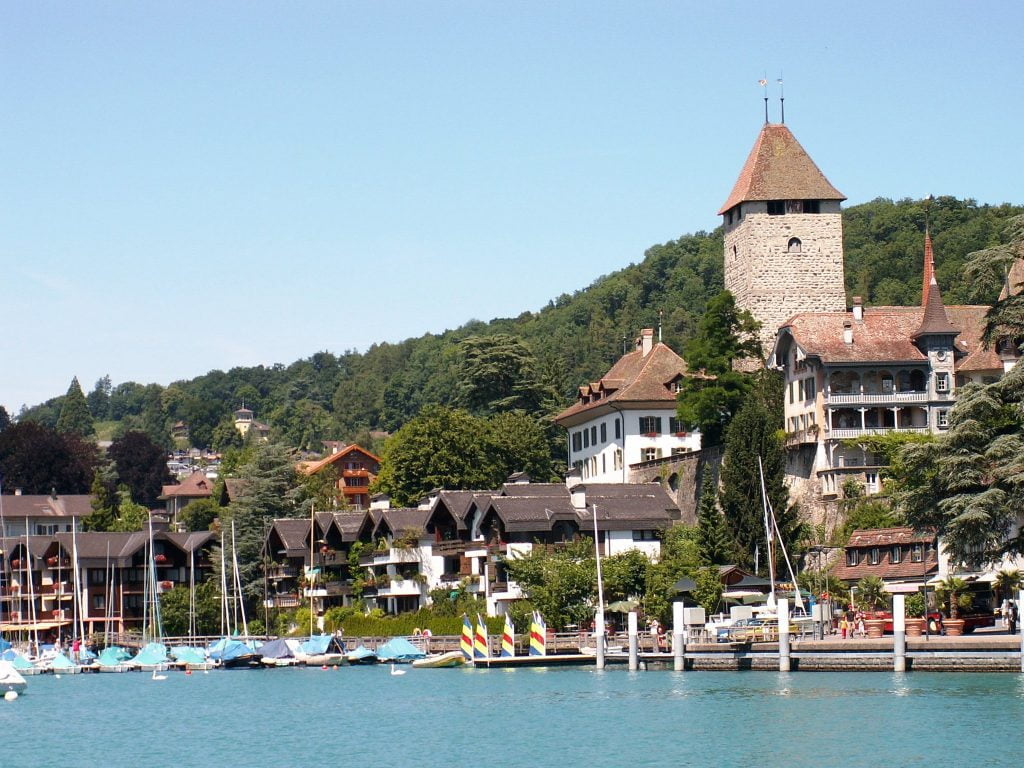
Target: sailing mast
x,y
310,575
77,605
225,616
238,583
769,531
31,589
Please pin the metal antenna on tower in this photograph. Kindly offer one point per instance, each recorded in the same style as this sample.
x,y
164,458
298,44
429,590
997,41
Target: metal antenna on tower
x,y
763,82
661,314
782,100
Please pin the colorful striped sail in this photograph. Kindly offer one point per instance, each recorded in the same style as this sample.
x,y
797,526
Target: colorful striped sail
x,y
508,638
466,641
538,636
480,645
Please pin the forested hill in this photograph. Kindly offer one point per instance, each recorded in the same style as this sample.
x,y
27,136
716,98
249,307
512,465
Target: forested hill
x,y
574,338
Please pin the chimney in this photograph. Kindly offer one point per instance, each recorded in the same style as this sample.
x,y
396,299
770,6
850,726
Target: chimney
x,y
847,332
518,478
646,341
380,501
573,477
858,309
578,496
17,491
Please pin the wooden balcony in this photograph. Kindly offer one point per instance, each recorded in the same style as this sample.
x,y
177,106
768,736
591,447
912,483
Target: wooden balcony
x,y
449,547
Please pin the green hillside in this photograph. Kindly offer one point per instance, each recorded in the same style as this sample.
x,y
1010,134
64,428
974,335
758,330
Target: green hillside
x,y
574,338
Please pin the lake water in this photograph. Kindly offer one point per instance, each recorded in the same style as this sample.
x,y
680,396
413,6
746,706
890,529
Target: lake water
x,y
364,716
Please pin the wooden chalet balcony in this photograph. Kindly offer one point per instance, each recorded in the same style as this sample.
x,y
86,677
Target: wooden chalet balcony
x,y
60,588
449,547
282,572
284,601
802,436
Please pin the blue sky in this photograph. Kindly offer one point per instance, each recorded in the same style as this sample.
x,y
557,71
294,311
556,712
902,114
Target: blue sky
x,y
189,186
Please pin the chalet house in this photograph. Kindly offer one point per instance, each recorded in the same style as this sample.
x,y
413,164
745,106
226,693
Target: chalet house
x,y
43,514
178,496
628,416
37,577
357,469
310,559
895,555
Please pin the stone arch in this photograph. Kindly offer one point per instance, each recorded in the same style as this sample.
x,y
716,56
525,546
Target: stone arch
x,y
673,482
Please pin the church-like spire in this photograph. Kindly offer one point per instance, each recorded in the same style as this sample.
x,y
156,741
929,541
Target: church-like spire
x,y
934,321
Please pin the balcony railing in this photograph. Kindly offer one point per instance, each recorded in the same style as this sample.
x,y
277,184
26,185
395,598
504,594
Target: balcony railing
x,y
452,547
844,398
845,433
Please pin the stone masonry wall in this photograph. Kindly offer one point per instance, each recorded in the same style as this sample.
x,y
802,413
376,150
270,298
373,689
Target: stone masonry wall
x,y
681,476
775,284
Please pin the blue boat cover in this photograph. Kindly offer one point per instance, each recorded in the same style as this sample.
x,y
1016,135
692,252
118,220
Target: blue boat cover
x,y
276,649
113,655
4,645
362,652
186,654
399,649
227,649
60,661
319,644
18,661
153,653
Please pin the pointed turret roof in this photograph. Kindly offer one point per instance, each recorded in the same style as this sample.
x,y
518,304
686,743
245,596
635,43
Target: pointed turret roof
x,y
778,168
934,320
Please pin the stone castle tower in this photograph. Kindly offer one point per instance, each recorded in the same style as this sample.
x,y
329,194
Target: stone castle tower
x,y
783,235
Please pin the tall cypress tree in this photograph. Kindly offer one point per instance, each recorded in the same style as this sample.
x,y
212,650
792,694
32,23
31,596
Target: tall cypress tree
x,y
714,542
756,431
74,413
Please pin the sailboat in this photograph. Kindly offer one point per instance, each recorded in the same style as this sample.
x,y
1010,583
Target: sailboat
x,y
771,527
229,651
153,655
11,679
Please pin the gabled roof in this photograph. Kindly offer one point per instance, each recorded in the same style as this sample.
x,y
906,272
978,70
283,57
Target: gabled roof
x,y
885,539
778,168
401,520
294,534
46,505
636,378
316,466
886,335
457,503
195,486
348,524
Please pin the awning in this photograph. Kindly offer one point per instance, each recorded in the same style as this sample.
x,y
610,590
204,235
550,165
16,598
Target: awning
x,y
744,596
39,626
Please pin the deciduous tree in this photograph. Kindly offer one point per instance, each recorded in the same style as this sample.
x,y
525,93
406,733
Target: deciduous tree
x,y
140,464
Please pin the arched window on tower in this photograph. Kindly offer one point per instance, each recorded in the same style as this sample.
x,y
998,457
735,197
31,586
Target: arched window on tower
x,y
794,245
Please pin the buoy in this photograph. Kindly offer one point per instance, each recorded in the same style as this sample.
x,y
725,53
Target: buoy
x,y
324,667
188,671
10,696
57,677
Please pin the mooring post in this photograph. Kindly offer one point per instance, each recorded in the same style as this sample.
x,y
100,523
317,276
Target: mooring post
x,y
784,635
678,644
899,633
634,643
1020,627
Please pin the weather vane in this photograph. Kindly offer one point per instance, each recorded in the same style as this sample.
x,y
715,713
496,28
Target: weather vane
x,y
782,100
763,82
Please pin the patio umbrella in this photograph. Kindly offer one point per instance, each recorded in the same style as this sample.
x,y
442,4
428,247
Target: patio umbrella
x,y
623,606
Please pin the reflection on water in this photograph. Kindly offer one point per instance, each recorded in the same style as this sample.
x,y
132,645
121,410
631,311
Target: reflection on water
x,y
540,718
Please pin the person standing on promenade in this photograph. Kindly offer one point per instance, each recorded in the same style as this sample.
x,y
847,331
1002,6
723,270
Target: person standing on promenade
x,y
1011,617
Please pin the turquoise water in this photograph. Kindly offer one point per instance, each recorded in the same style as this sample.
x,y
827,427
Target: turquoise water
x,y
571,717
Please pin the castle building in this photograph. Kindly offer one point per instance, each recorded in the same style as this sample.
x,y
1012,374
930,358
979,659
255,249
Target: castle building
x,y
783,235
850,372
628,416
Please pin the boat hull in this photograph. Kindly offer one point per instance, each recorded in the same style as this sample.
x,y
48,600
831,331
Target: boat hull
x,y
441,661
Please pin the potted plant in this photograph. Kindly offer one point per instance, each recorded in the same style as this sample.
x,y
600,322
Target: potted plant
x,y
952,593
872,597
915,615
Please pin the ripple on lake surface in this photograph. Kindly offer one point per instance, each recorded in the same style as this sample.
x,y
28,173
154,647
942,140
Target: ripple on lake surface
x,y
364,717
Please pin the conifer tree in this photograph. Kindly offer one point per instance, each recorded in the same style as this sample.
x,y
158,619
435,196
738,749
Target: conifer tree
x,y
755,432
74,412
713,541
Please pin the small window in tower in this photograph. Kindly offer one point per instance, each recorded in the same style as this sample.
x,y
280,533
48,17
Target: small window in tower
x,y
794,245
812,206
776,207
794,206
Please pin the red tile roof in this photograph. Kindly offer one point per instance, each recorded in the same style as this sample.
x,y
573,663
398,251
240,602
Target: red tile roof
x,y
635,378
778,168
195,486
1014,280
886,336
316,466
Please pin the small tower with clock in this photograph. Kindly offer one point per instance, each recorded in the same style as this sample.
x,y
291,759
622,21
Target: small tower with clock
x,y
935,338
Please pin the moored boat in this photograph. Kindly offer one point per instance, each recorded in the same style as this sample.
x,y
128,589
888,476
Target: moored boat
x,y
320,651
441,660
114,658
234,654
11,679
362,656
